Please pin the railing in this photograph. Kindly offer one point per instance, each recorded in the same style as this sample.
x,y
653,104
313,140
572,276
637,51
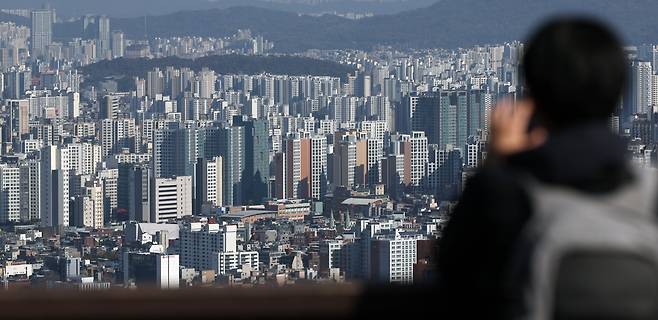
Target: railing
x,y
294,302
288,302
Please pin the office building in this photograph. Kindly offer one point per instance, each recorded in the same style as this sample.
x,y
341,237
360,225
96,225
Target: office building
x,y
174,152
318,165
54,181
444,172
232,150
296,174
225,262
374,154
209,183
133,194
103,37
457,113
207,79
41,31
257,159
151,270
117,135
10,193
200,241
109,107
109,179
346,167
330,255
20,117
118,44
87,209
171,198
393,259
30,171
17,80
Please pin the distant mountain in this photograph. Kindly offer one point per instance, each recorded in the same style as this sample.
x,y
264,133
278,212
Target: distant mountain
x,y
447,23
290,31
225,64
453,23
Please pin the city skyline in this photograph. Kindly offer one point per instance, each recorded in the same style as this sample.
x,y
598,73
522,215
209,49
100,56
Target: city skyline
x,y
135,160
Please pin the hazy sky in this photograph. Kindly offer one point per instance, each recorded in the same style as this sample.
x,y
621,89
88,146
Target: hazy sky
x,y
129,8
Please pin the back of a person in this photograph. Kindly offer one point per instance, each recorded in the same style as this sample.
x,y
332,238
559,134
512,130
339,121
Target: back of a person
x,y
557,136
589,256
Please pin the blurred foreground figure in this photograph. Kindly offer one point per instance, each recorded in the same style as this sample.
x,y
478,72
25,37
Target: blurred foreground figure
x,y
557,225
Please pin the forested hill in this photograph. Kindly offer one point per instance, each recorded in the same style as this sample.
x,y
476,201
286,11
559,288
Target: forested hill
x,y
225,64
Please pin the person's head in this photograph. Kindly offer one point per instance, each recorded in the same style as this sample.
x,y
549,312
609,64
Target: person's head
x,y
575,72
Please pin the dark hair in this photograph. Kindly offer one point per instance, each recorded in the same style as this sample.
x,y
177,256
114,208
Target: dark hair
x,y
575,71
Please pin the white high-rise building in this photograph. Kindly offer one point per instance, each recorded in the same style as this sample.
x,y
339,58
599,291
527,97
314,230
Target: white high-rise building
x,y
223,262
118,44
90,157
84,157
200,241
207,79
117,135
395,259
171,198
375,129
73,107
419,157
10,193
318,166
343,109
472,152
350,104
167,271
54,187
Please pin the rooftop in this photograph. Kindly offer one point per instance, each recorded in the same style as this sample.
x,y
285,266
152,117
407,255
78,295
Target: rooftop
x,y
247,213
361,201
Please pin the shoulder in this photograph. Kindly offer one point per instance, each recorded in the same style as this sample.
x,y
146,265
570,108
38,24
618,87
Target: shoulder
x,y
497,185
494,197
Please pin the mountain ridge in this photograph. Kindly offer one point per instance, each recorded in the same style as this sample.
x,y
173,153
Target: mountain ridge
x,y
446,23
